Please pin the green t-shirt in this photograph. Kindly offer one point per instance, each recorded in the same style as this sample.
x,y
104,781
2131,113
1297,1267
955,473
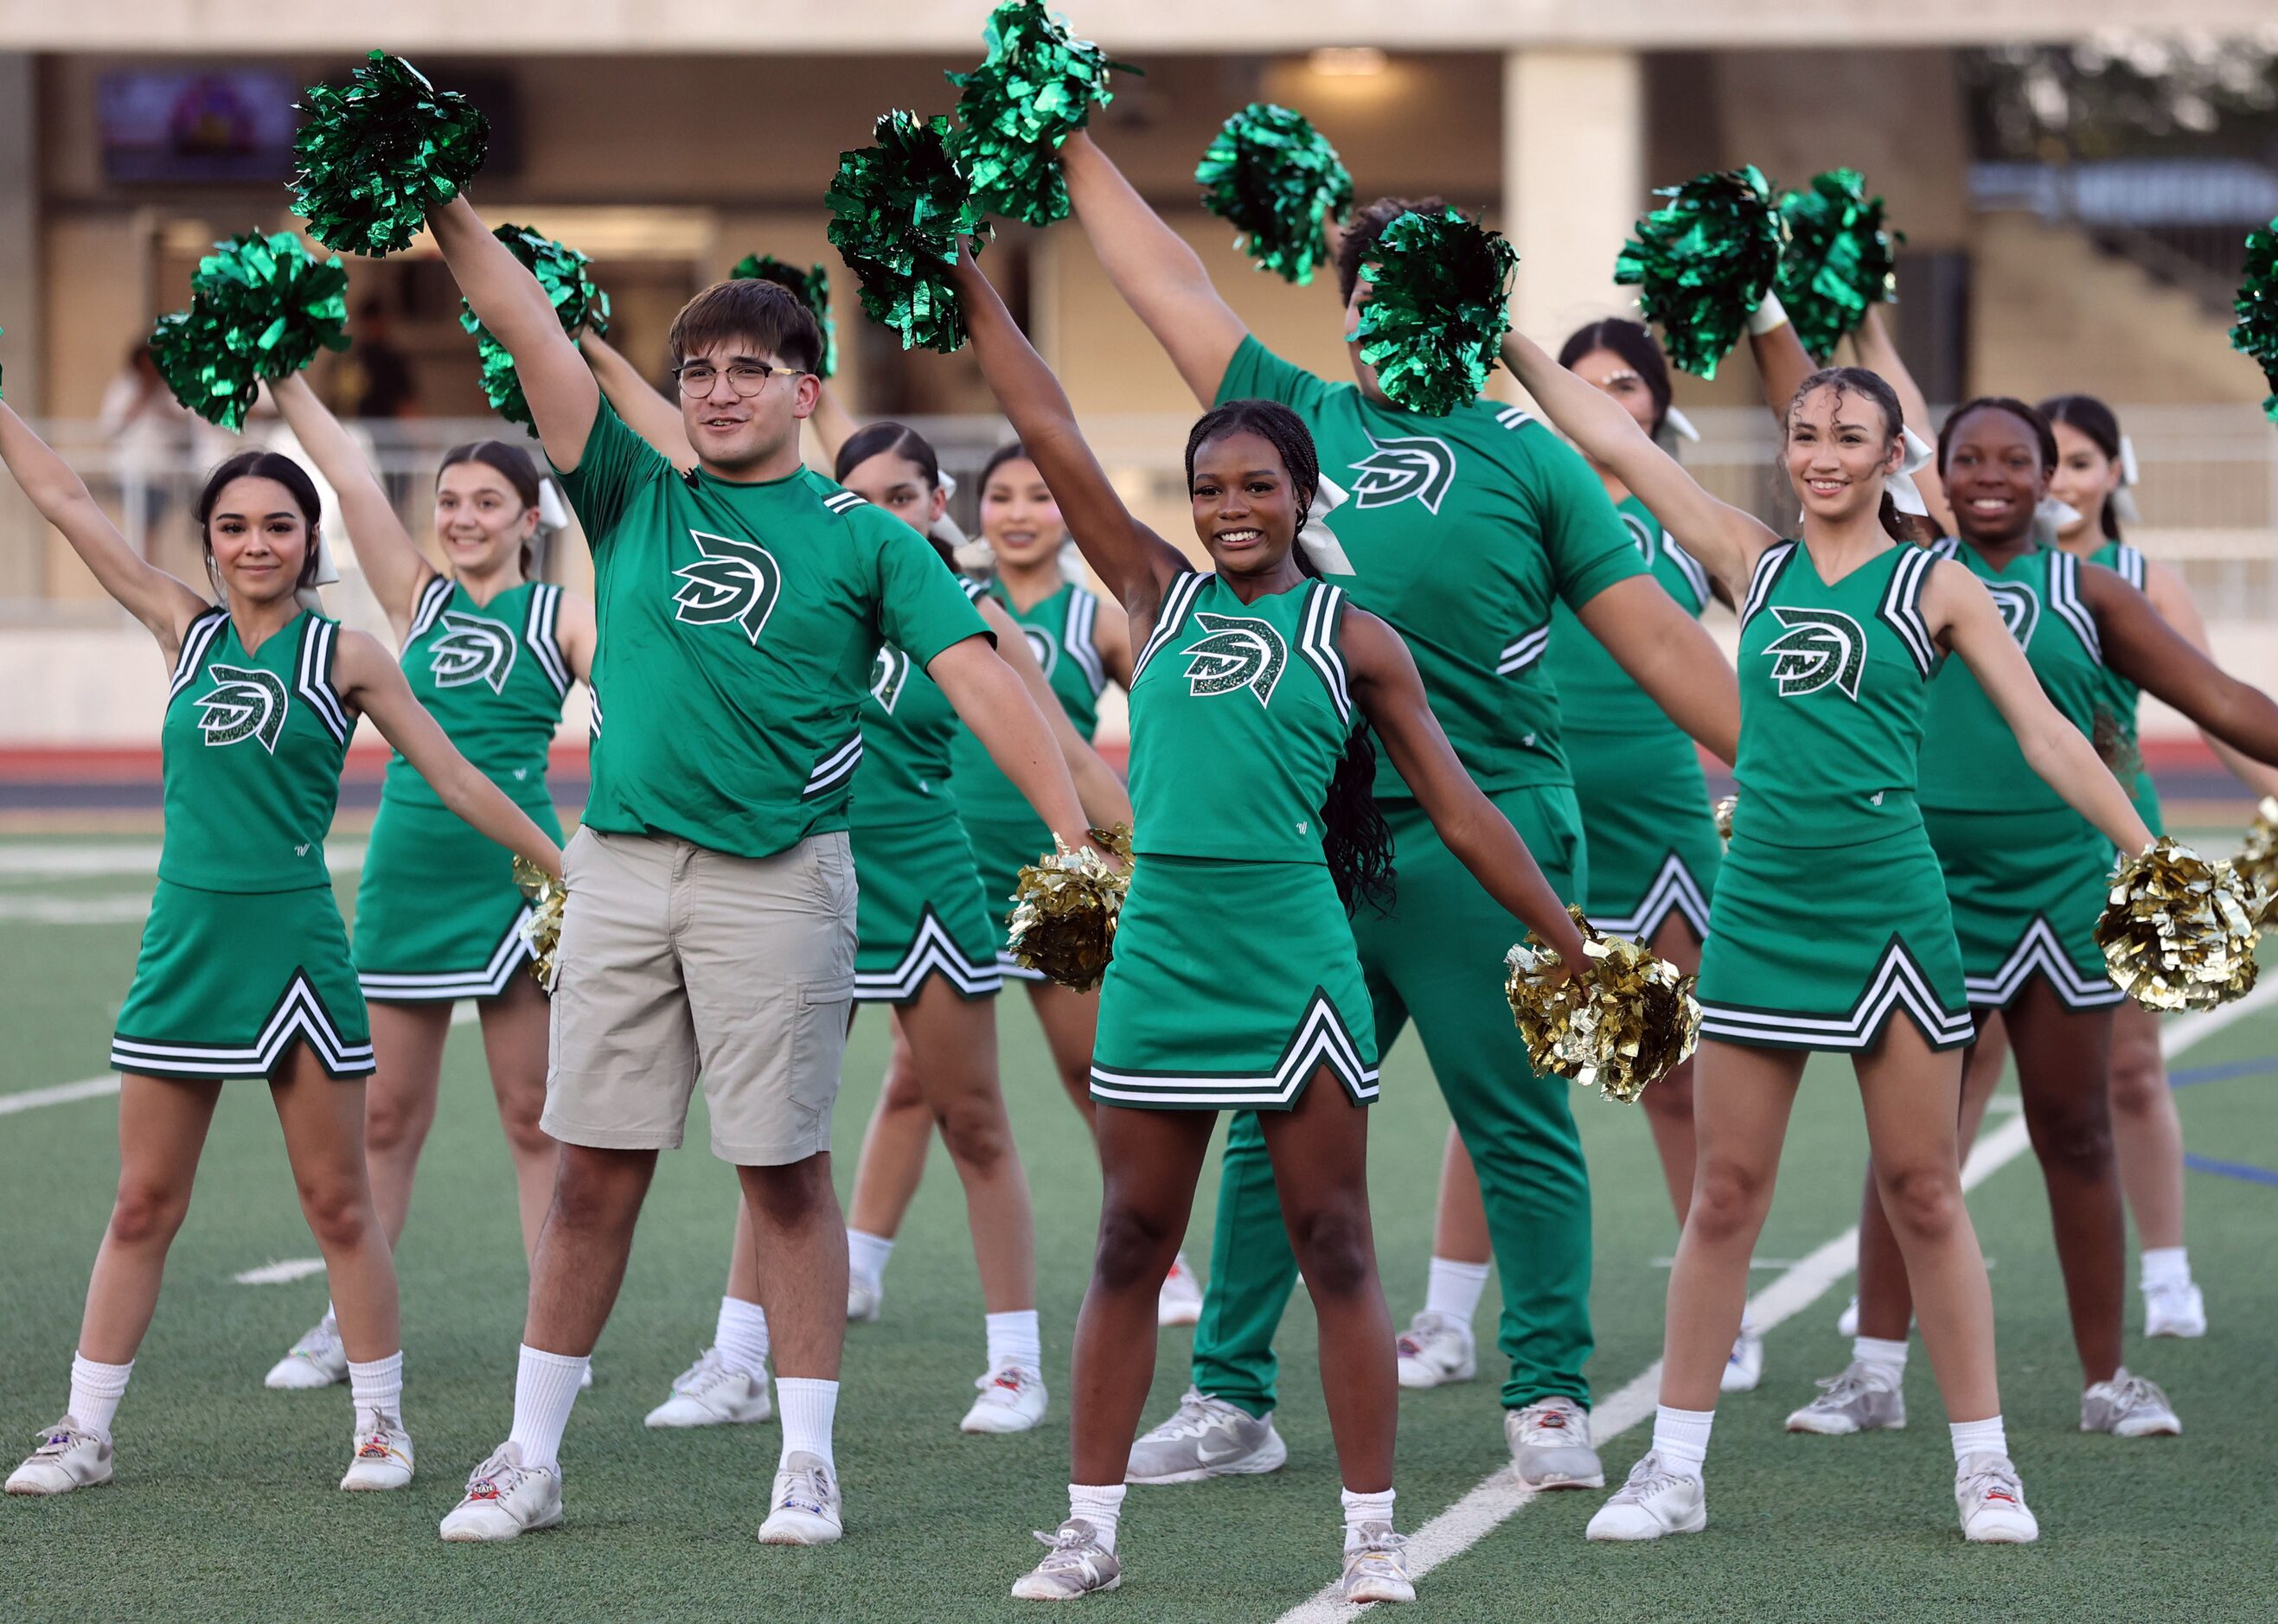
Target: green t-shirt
x,y
1462,530
739,625
1596,695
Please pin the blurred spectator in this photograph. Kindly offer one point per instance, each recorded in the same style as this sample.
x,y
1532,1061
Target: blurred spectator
x,y
153,438
373,379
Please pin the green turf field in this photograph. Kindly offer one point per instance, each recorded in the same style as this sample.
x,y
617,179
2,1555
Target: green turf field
x,y
225,1506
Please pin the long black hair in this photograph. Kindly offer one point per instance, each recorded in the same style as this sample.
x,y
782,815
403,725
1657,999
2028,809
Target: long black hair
x,y
1634,344
2093,418
895,440
1355,839
264,465
510,463
1859,381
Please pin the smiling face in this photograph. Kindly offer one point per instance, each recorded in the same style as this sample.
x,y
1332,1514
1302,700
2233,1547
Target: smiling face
x,y
1606,372
1839,452
259,539
741,436
1019,518
1246,512
2084,480
481,520
895,484
1993,477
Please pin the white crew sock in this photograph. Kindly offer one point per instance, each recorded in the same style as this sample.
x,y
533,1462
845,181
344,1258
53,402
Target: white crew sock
x,y
808,1408
1455,1289
545,1390
2166,1267
867,1255
1102,1507
377,1385
96,1391
1979,1438
1013,1339
1680,1437
1877,1354
1363,1509
740,1338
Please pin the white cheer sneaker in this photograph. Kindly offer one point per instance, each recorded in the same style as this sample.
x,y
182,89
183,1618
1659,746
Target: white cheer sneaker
x,y
1653,1502
1434,1350
505,1500
709,1394
2174,1311
1179,1302
1993,1502
804,1509
318,1360
1376,1567
382,1453
1011,1400
2127,1407
1549,1442
66,1457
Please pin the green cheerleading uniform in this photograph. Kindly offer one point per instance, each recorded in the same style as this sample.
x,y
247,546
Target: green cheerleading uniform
x,y
1654,846
1262,684
1006,832
439,915
2025,871
243,953
2119,710
1830,915
921,910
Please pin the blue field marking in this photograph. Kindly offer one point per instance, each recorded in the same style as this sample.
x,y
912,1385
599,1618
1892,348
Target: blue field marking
x,y
2247,1171
2261,1065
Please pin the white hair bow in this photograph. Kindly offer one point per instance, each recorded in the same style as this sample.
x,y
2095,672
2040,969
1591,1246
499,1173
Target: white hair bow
x,y
1906,496
1320,545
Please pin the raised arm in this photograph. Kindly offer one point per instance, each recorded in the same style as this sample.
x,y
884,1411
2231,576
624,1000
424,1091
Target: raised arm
x,y
555,380
1722,537
1135,563
394,567
1878,353
1105,801
2143,647
163,604
1962,617
2174,601
1156,273
645,412
1782,363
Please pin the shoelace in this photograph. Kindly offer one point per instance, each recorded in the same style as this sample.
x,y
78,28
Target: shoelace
x,y
707,1369
1195,1416
2135,1393
321,1339
58,1440
1382,1550
1991,1480
1070,1550
1011,1380
499,1476
1851,1384
813,1484
1647,1478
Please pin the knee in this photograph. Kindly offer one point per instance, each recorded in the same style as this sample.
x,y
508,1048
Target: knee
x,y
2139,1083
1671,1099
393,1123
1728,1199
523,1135
977,1133
789,1198
2074,1138
147,1211
593,1193
1333,1247
902,1092
338,1211
1135,1246
1922,1203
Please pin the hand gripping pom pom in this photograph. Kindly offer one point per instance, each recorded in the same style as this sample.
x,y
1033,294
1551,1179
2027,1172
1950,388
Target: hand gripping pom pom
x,y
2257,333
1278,181
380,152
542,930
561,271
1620,1026
811,288
1032,91
1066,905
1704,262
1841,259
2256,862
1435,313
2177,931
260,307
1722,811
897,211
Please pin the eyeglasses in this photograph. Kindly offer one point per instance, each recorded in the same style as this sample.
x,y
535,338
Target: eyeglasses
x,y
745,378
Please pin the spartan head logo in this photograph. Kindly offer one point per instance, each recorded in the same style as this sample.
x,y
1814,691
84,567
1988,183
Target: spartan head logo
x,y
2020,607
1044,646
888,674
1820,648
1416,465
471,650
243,704
735,581
1238,652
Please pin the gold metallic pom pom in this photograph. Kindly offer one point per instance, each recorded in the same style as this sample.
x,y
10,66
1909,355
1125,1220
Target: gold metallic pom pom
x,y
1619,1026
2178,933
1065,908
1723,813
542,930
2256,862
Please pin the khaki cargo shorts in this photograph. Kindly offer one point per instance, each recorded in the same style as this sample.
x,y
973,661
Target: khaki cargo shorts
x,y
676,959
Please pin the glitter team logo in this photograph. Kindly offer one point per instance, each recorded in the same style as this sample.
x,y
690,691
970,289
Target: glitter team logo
x,y
2020,607
1820,648
1236,653
734,582
1416,466
887,674
243,704
471,650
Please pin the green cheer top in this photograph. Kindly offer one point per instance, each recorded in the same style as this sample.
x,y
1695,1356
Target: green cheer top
x,y
493,676
1239,716
253,745
738,627
1976,765
2122,695
1834,686
1595,696
908,730
1061,630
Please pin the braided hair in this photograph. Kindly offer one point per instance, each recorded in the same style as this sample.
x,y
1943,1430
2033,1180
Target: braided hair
x,y
1355,839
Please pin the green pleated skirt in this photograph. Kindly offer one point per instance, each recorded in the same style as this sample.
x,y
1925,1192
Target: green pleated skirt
x,y
921,913
2027,888
1653,847
439,915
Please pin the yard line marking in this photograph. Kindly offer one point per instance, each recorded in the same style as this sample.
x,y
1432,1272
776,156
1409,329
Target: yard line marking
x,y
2232,1169
1498,1496
75,910
281,1273
77,860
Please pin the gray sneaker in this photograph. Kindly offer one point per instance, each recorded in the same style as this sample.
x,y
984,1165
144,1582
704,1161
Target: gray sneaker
x,y
1550,1446
1076,1564
1376,1570
1206,1437
66,1457
1863,1399
2127,1407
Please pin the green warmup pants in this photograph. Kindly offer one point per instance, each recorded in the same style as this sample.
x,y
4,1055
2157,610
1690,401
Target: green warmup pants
x,y
1439,958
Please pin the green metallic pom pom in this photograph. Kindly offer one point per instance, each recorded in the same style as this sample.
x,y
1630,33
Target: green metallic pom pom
x,y
1279,182
1703,264
1031,92
260,307
1435,313
812,288
561,271
897,211
2257,333
377,155
1841,258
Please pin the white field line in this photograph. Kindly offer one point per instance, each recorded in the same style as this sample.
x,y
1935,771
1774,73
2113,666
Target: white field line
x,y
76,910
281,1273
1477,1514
93,859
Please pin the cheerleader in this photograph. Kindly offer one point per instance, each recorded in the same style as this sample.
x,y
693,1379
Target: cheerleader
x,y
490,650
244,969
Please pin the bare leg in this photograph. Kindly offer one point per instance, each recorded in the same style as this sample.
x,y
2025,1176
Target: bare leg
x,y
896,1143
161,1129
1669,1103
515,1036
2146,1133
324,1137
582,1248
1069,1019
399,1107
954,1043
797,1227
1459,1228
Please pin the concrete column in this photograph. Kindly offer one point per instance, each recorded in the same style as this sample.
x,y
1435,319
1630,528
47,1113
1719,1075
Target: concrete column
x,y
1573,181
19,232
